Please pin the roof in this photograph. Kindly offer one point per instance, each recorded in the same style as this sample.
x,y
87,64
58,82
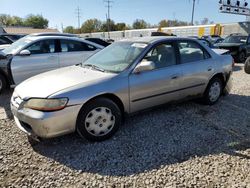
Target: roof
x,y
144,39
27,30
34,38
149,39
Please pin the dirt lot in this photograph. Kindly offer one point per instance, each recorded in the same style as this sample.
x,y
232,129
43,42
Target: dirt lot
x,y
184,145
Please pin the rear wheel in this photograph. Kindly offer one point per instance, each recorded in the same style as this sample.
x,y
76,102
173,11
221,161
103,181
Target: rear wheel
x,y
2,83
213,91
99,120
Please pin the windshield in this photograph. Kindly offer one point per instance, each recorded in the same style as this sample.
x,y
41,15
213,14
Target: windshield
x,y
116,57
16,46
235,39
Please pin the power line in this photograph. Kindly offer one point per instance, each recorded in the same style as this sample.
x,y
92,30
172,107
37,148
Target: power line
x,y
78,15
108,5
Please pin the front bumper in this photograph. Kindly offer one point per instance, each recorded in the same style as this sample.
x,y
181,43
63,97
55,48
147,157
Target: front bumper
x,y
46,124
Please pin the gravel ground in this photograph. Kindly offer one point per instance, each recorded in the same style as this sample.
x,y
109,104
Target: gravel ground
x,y
184,145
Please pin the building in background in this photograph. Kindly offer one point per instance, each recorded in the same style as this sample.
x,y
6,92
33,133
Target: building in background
x,y
25,30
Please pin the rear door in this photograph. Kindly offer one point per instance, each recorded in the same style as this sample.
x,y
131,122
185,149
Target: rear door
x,y
160,85
197,67
43,58
74,52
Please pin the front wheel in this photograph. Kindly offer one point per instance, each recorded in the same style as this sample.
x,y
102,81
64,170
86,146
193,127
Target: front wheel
x,y
213,91
99,120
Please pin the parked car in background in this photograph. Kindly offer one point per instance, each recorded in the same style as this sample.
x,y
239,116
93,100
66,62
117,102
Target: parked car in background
x,y
238,45
206,42
4,42
33,55
98,41
13,37
210,45
220,40
247,66
126,77
54,34
212,38
7,39
159,33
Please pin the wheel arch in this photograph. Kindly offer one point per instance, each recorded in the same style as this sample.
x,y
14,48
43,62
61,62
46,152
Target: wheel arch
x,y
109,96
221,76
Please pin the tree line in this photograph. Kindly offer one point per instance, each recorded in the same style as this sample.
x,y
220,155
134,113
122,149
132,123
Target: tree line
x,y
34,21
91,25
96,25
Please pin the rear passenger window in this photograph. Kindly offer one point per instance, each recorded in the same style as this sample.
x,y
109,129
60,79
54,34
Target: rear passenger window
x,y
75,46
191,52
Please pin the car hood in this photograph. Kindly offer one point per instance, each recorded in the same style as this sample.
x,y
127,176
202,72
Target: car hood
x,y
46,84
228,44
2,47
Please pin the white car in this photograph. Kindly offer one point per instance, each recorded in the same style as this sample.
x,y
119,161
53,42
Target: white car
x,y
2,47
32,55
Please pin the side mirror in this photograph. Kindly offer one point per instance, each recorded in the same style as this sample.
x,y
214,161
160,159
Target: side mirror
x,y
144,66
24,53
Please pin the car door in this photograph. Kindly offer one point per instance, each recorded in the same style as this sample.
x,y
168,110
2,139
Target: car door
x,y
43,57
74,52
197,67
160,85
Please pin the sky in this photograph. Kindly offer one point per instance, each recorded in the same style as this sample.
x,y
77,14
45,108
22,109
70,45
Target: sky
x,y
60,12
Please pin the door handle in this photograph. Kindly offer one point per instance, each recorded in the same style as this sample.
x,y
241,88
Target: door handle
x,y
209,69
175,76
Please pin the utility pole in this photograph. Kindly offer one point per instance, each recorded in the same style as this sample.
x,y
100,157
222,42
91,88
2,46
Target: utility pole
x,y
192,20
62,27
108,5
78,15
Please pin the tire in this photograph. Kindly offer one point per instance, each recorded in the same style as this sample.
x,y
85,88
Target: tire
x,y
241,57
2,83
247,66
213,91
98,120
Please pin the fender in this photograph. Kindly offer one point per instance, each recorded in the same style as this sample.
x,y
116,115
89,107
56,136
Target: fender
x,y
5,68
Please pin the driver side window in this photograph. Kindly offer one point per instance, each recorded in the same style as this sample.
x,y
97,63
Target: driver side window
x,y
162,56
42,47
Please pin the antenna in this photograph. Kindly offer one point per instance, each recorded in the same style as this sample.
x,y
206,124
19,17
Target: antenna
x,y
108,5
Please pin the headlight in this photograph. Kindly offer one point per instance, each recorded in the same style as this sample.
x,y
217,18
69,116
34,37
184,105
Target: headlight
x,y
47,105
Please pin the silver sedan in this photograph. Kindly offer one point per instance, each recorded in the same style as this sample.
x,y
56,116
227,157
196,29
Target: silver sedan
x,y
126,77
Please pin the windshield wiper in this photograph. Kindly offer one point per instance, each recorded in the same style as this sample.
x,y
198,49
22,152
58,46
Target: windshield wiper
x,y
93,67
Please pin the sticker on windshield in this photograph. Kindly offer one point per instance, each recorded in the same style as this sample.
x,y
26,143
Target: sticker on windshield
x,y
139,45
